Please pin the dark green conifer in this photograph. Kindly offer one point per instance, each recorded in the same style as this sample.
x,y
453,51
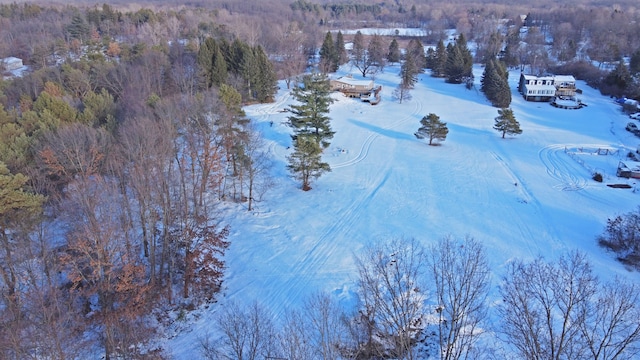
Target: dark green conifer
x,y
309,116
432,128
506,123
394,55
328,55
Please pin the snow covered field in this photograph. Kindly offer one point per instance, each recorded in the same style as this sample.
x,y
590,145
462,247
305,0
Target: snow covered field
x,y
521,197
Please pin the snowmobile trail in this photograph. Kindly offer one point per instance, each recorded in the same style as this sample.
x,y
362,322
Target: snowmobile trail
x,y
324,246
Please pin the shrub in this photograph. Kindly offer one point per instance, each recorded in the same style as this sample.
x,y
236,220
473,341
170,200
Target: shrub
x,y
622,236
597,177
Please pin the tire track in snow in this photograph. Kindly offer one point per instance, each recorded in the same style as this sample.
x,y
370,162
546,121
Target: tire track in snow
x,y
312,262
526,230
366,145
364,152
561,166
324,246
262,112
562,169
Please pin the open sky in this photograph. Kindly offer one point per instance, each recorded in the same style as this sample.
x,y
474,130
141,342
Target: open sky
x,y
522,197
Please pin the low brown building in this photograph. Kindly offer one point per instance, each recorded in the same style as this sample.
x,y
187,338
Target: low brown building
x,y
352,87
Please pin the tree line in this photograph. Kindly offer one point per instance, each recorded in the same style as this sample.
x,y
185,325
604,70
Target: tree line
x,y
112,170
417,302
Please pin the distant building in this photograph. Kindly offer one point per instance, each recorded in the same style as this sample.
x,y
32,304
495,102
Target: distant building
x,y
11,63
546,88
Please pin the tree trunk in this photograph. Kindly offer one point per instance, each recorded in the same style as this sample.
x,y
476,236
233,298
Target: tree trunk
x,y
188,273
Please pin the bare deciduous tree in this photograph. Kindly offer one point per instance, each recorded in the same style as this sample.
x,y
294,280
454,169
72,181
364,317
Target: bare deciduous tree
x,y
544,308
461,276
293,338
391,289
612,330
247,333
324,326
256,164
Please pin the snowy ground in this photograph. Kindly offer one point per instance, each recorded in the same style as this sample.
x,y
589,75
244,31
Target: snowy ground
x,y
522,196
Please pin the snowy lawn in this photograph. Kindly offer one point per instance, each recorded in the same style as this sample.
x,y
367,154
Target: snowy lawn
x,y
522,196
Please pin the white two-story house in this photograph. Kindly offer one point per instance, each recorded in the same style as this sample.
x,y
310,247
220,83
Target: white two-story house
x,y
546,88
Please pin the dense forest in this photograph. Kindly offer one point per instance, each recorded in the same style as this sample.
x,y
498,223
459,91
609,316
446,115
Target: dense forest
x,y
126,134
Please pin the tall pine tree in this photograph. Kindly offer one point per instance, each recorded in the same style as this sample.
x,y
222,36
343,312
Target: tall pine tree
x,y
459,65
265,83
415,49
495,85
341,50
440,60
408,78
394,55
213,66
306,161
309,117
328,55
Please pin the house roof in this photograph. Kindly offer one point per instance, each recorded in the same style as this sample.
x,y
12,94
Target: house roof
x,y
351,81
555,78
533,77
564,78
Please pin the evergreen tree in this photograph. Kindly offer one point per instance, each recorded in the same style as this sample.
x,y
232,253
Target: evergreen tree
x,y
266,81
453,66
440,61
408,72
619,79
205,60
213,65
506,123
415,49
459,65
341,51
509,56
328,55
489,70
495,85
252,65
432,128
493,47
309,117
634,63
218,68
306,161
430,58
376,53
78,29
408,78
394,55
461,43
